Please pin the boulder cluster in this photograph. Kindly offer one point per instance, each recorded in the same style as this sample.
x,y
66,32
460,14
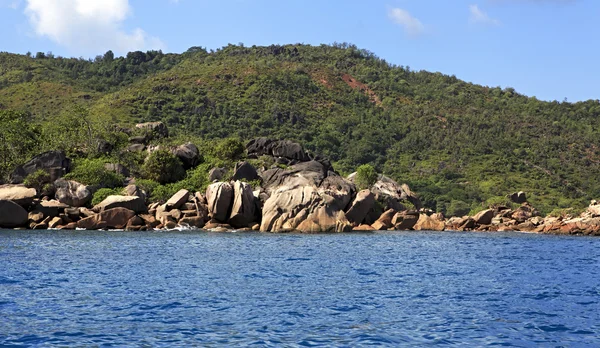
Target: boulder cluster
x,y
301,192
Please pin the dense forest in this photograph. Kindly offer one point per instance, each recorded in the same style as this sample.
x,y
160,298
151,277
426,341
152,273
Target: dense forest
x,y
458,145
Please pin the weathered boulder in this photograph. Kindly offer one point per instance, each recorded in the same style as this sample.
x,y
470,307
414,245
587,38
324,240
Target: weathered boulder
x,y
55,222
305,197
72,193
325,218
216,174
518,197
50,208
594,209
385,220
19,194
360,207
117,168
524,212
484,217
158,129
133,203
135,191
365,228
115,218
405,220
243,211
219,197
178,199
428,223
277,148
12,215
55,163
244,171
188,154
392,194
136,148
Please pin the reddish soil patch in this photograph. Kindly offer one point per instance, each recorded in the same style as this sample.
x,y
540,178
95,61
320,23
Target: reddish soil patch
x,y
355,84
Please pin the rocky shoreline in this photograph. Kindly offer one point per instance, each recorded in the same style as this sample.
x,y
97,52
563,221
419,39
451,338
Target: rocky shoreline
x,y
304,195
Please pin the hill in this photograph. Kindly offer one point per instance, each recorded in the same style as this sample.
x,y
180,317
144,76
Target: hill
x,y
458,145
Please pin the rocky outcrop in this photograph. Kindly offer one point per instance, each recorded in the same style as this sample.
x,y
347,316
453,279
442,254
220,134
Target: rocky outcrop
x,y
12,215
518,197
178,199
117,168
243,211
244,171
114,218
216,174
135,191
405,220
19,194
360,207
219,197
188,154
429,223
484,217
133,203
390,193
54,163
385,220
305,198
72,193
157,129
284,149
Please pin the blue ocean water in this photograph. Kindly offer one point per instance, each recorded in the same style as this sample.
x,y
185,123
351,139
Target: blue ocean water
x,y
389,289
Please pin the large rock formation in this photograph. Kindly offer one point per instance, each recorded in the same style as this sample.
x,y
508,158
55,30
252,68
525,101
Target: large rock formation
x,y
19,194
361,206
244,171
115,218
219,197
429,223
12,215
306,197
54,163
188,154
243,211
133,203
158,129
391,193
284,149
72,193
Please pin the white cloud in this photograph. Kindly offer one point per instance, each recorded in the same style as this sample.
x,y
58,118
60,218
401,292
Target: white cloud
x,y
480,17
88,26
412,26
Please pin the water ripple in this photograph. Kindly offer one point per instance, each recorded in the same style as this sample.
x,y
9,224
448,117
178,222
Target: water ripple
x,y
384,289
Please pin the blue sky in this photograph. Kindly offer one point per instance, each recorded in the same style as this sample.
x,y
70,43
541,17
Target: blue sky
x,y
543,48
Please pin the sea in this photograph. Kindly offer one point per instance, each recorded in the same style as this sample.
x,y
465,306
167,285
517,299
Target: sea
x,y
196,288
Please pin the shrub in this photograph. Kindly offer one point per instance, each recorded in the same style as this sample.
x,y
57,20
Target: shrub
x,y
92,172
230,149
458,208
37,179
366,176
163,167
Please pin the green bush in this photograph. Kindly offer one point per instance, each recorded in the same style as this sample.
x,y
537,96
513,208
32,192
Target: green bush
x,y
457,208
230,149
37,179
163,167
92,172
102,193
366,176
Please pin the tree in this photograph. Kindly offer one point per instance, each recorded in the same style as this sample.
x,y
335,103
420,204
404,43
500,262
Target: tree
x,y
163,167
18,140
366,176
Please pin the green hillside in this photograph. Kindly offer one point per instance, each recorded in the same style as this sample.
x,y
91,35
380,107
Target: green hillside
x,y
455,143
